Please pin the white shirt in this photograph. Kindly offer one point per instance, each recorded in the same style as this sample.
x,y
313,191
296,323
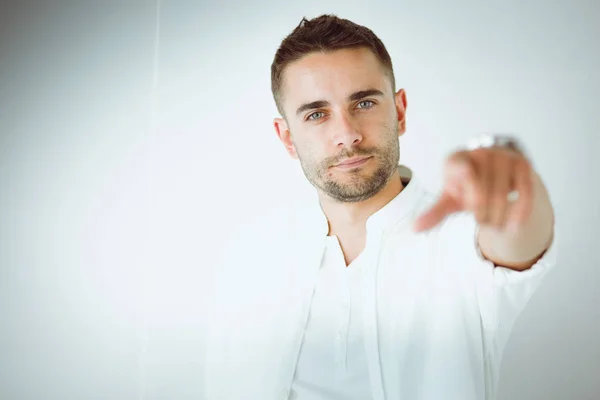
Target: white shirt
x,y
436,314
332,364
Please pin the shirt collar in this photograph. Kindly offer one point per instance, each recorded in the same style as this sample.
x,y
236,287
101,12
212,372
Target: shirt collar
x,y
395,210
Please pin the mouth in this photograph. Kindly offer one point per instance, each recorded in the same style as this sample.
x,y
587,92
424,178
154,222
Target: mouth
x,y
353,162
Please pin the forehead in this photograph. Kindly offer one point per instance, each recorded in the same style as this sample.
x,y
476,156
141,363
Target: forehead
x,y
333,75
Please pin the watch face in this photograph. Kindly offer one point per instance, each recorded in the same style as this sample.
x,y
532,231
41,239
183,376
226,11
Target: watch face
x,y
483,140
488,139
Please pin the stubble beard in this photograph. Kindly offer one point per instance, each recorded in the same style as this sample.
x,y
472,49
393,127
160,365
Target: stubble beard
x,y
359,185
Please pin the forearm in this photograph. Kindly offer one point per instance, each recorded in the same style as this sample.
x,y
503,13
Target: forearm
x,y
521,248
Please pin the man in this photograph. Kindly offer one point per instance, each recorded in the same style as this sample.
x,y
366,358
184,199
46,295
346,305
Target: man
x,y
377,291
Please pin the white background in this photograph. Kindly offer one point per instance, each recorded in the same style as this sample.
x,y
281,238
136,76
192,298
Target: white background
x,y
127,158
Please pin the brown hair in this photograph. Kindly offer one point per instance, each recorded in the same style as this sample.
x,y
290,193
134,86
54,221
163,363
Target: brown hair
x,y
324,33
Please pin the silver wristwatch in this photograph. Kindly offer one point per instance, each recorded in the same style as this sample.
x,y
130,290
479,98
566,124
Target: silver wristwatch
x,y
487,140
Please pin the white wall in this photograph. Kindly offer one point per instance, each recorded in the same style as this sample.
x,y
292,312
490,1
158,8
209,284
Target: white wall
x,y
116,189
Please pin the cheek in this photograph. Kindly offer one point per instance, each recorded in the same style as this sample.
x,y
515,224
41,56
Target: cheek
x,y
307,146
303,150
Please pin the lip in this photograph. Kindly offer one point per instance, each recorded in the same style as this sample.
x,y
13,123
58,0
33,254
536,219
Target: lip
x,y
353,162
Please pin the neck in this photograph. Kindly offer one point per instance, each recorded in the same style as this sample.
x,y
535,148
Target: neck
x,y
352,217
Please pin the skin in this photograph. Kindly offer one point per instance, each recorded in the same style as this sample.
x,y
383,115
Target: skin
x,y
359,115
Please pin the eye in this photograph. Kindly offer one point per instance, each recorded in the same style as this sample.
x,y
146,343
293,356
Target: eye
x,y
315,116
366,104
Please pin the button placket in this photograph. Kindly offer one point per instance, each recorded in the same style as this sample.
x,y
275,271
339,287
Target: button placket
x,y
341,340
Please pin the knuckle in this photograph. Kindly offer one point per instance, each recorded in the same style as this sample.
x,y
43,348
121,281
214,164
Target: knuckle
x,y
500,198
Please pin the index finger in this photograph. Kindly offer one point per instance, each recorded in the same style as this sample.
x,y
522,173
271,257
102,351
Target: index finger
x,y
445,206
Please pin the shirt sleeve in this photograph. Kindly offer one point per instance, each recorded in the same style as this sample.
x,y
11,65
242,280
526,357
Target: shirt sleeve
x,y
503,292
498,294
502,295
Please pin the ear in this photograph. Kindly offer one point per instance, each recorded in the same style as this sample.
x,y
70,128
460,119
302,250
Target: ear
x,y
284,134
400,100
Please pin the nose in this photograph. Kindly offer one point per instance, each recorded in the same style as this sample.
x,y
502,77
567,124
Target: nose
x,y
346,132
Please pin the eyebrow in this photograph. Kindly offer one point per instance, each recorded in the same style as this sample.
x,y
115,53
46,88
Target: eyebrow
x,y
353,97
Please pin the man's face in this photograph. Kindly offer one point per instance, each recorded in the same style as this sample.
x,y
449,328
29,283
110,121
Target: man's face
x,y
340,106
